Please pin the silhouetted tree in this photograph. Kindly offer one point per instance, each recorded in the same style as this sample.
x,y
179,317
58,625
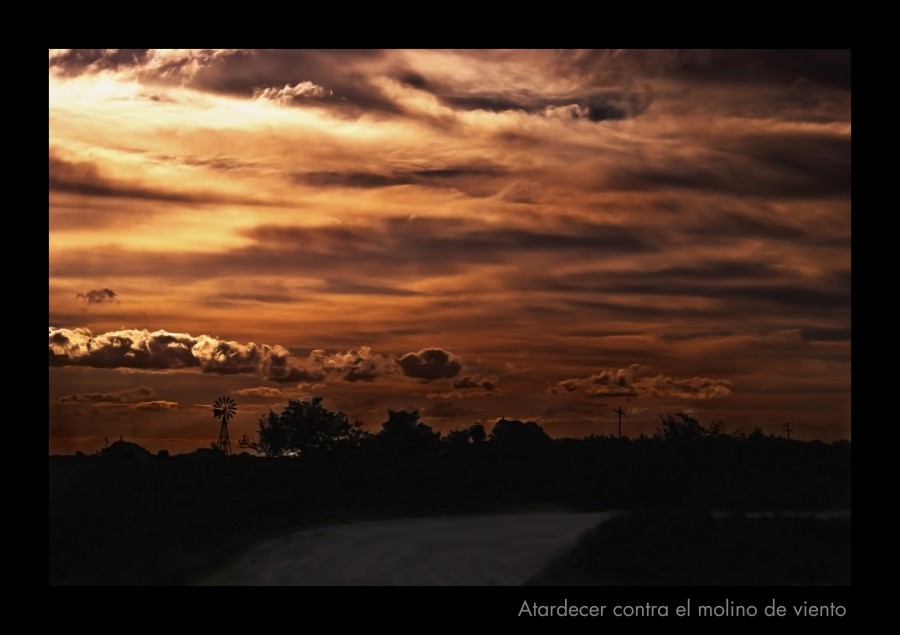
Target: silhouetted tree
x,y
302,427
465,436
515,434
457,437
403,431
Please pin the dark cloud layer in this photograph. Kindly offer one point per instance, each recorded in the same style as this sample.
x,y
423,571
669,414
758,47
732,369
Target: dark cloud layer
x,y
85,178
434,177
769,166
603,106
709,66
394,246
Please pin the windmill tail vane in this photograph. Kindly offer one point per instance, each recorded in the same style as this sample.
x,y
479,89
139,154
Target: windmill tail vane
x,y
223,410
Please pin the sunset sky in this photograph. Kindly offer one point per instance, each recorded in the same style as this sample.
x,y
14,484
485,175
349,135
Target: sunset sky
x,y
544,235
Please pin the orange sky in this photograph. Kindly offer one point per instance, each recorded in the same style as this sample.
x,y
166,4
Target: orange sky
x,y
544,235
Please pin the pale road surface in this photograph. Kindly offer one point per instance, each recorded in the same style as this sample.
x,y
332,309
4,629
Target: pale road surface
x,y
470,550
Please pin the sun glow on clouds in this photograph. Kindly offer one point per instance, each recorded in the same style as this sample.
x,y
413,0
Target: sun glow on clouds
x,y
571,213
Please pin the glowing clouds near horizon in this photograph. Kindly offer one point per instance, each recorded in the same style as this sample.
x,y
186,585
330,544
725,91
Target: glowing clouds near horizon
x,y
162,350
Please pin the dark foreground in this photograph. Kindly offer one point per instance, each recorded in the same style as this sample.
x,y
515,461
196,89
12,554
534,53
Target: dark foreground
x,y
679,548
135,518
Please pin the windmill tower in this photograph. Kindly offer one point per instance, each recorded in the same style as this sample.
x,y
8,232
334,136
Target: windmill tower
x,y
223,410
620,412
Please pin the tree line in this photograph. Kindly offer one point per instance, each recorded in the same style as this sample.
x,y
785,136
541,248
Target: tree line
x,y
305,427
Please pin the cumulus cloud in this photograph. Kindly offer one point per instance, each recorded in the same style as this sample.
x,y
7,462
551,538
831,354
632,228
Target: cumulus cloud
x,y
98,296
289,94
280,367
354,365
141,349
639,380
123,396
430,364
132,349
156,405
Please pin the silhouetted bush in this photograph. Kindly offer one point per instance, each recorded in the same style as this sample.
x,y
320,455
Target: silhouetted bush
x,y
686,428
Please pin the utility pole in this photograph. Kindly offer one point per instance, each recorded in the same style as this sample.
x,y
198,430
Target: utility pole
x,y
787,430
620,413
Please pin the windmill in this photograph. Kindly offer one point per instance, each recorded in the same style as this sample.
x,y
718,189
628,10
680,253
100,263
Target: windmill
x,y
620,412
223,410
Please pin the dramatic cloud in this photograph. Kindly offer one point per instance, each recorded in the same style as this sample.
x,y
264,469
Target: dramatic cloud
x,y
365,212
177,64
639,380
98,296
430,364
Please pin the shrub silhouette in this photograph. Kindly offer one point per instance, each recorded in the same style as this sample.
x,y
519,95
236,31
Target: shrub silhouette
x,y
686,428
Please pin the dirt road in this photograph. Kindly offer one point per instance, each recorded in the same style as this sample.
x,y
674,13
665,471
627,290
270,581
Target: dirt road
x,y
473,550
